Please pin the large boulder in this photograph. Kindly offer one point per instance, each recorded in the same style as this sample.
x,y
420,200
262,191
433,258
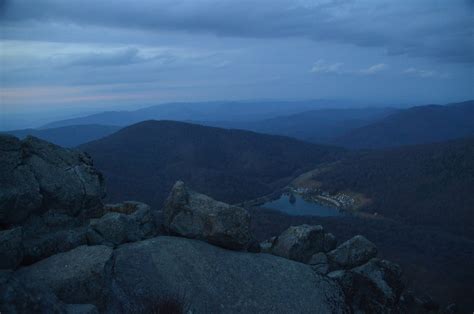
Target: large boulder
x,y
123,224
45,245
198,216
36,175
300,243
77,276
385,275
352,253
11,248
374,287
320,263
214,280
23,296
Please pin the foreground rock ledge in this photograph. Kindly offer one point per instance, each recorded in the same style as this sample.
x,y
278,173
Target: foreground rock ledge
x,y
214,280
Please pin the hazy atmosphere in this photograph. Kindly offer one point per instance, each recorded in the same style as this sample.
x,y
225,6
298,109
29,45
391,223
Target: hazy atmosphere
x,y
83,56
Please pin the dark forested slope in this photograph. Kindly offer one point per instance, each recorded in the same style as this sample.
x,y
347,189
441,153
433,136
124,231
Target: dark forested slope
x,y
429,184
141,162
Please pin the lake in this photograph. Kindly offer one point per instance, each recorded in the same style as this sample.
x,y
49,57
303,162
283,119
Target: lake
x,y
301,207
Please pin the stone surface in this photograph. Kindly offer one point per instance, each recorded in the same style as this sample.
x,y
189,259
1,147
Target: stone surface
x,y
44,245
19,190
115,228
267,245
299,243
126,207
385,275
374,287
77,276
81,309
36,175
214,280
320,263
11,248
24,297
352,253
198,216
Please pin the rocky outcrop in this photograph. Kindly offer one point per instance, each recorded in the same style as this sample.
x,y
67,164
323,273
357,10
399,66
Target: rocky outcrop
x,y
19,296
374,287
352,253
127,222
193,215
370,285
36,175
300,243
320,263
11,248
76,276
215,280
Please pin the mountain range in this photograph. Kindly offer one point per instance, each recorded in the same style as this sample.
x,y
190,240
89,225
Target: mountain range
x,y
203,111
68,136
142,161
416,125
354,128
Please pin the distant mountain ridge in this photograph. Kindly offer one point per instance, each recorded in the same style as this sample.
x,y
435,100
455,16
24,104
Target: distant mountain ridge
x,y
202,111
68,136
317,126
354,128
142,161
416,125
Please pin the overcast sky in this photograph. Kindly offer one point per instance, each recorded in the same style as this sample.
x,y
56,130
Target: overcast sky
x,y
77,55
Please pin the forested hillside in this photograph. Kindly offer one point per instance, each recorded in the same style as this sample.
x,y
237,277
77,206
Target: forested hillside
x,y
425,184
141,162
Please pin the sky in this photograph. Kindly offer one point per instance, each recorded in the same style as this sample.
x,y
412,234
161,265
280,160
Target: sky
x,y
81,56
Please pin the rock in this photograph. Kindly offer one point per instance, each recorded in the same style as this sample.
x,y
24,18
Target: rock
x,y
81,309
111,229
267,245
47,244
319,262
115,228
11,248
374,287
385,275
19,190
352,253
329,242
361,294
215,280
411,303
17,296
36,175
299,243
77,276
198,216
126,207
451,309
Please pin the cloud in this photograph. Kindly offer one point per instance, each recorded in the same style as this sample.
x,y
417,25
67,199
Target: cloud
x,y
440,30
321,66
423,73
376,68
94,59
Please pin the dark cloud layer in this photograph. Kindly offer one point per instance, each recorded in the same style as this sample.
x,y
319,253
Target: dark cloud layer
x,y
441,30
